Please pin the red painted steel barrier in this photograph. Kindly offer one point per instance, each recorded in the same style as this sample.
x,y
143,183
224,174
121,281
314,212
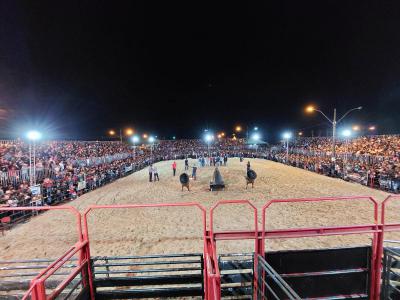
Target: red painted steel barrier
x,y
37,290
386,227
212,277
373,229
131,206
213,235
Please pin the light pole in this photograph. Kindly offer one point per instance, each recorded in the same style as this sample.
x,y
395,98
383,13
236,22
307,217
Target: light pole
x,y
334,123
151,141
287,136
209,137
346,133
256,137
135,139
33,136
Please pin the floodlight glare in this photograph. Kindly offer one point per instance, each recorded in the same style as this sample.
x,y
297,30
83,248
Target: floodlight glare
x,y
346,133
151,139
33,135
135,139
256,128
209,137
256,137
287,135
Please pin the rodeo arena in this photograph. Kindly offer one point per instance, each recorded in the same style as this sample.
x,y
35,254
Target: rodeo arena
x,y
223,218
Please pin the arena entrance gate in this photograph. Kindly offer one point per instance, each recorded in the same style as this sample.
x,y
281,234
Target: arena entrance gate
x,y
150,276
346,273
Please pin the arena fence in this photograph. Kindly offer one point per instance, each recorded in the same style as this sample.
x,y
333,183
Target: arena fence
x,y
344,273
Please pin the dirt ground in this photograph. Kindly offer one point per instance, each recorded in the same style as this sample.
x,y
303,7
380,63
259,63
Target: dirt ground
x,y
178,230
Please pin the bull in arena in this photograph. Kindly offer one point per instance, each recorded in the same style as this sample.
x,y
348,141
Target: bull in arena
x,y
217,182
184,179
250,178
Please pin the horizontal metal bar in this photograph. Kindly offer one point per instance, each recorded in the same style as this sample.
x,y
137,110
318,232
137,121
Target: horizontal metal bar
x,y
150,293
149,280
150,263
148,271
36,260
32,267
147,256
309,274
27,274
299,232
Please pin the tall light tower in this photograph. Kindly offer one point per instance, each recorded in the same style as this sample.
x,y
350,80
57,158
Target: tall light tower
x,y
32,136
135,140
209,137
287,136
334,123
151,141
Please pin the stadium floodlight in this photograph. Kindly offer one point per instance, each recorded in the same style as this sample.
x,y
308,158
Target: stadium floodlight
x,y
346,133
174,137
356,128
145,136
129,131
287,135
135,139
371,128
255,137
238,128
209,137
33,135
255,128
151,139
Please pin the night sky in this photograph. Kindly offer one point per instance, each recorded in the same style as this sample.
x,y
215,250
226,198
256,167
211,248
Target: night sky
x,y
77,69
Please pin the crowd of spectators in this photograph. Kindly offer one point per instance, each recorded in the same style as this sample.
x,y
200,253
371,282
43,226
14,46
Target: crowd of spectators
x,y
370,160
65,169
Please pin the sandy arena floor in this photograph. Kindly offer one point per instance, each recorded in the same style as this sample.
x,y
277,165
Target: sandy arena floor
x,y
176,230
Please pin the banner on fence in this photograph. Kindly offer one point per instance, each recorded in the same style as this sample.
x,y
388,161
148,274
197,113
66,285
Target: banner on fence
x,y
35,190
81,185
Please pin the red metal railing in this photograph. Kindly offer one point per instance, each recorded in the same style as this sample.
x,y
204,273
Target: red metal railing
x,y
386,227
212,277
39,282
37,289
131,206
373,229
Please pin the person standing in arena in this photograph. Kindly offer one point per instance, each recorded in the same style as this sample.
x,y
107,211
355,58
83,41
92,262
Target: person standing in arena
x,y
151,173
174,168
186,164
155,176
194,172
